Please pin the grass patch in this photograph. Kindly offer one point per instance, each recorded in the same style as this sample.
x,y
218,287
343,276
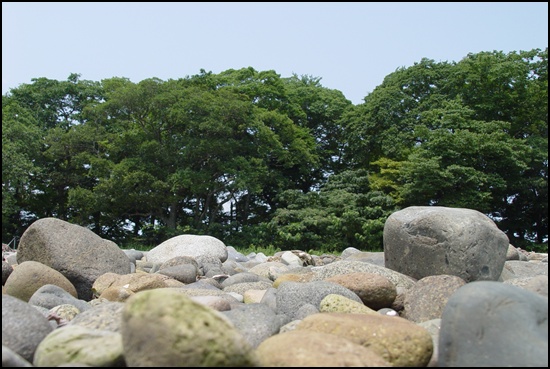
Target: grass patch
x,y
136,246
266,250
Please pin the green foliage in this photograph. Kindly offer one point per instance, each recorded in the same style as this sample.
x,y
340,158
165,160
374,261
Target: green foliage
x,y
344,213
20,146
471,134
136,245
256,159
268,250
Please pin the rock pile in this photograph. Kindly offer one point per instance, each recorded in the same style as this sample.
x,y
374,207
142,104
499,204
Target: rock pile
x,y
448,290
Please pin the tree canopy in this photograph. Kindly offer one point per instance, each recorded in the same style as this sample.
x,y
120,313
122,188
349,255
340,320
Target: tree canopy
x,y
257,159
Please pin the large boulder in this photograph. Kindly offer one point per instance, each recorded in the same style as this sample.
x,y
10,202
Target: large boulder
x,y
304,348
29,276
75,251
492,324
163,327
188,245
420,241
401,342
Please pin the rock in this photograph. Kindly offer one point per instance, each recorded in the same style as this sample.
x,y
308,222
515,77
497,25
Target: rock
x,y
23,327
376,258
427,299
292,295
81,345
164,328
399,280
484,321
339,304
7,269
50,295
11,358
106,316
303,348
256,311
188,245
538,283
74,251
375,290
134,282
214,302
398,341
179,260
420,241
433,327
526,268
134,255
256,322
512,253
29,276
185,273
66,312
243,277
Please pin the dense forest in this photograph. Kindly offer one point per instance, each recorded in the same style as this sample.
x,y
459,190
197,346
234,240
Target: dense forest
x,y
255,159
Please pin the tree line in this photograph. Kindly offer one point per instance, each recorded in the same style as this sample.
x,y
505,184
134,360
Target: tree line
x,y
256,159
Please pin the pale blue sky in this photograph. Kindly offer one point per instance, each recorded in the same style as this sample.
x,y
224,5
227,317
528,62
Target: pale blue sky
x,y
350,46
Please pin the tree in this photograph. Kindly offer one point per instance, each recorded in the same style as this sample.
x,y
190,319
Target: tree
x,y
469,134
320,110
513,88
59,109
461,162
181,150
20,148
344,213
383,126
249,156
58,103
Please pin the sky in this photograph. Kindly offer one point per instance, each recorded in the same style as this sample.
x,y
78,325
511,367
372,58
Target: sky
x,y
351,46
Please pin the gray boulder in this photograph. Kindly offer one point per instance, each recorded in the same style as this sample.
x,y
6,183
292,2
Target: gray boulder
x,y
188,245
521,269
484,322
420,241
75,251
106,316
23,327
400,280
537,284
49,296
255,321
11,359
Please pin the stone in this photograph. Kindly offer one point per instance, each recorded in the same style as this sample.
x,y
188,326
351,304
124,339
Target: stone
x,y
420,241
484,322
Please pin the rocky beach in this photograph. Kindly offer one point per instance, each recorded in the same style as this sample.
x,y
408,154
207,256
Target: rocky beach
x,y
448,290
